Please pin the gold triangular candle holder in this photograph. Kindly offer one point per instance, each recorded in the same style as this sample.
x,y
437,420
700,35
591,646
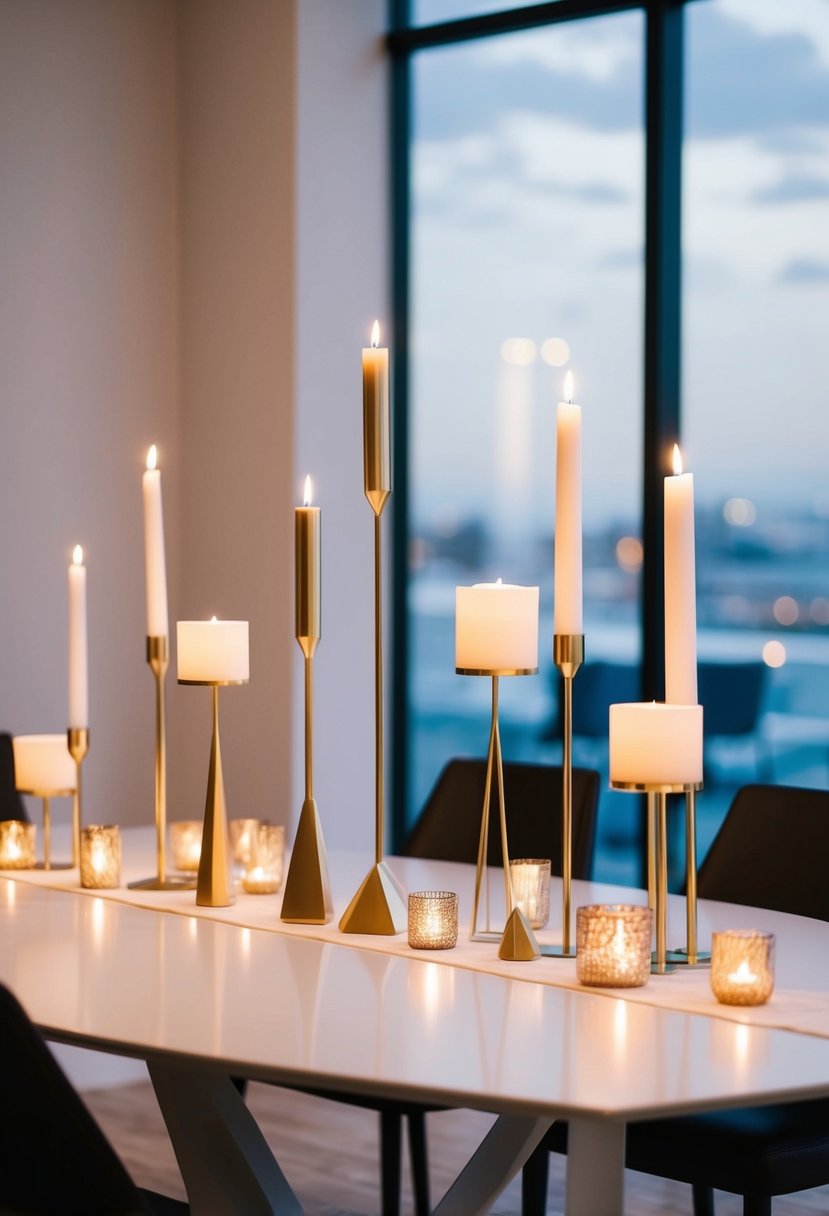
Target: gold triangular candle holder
x,y
379,905
518,944
307,899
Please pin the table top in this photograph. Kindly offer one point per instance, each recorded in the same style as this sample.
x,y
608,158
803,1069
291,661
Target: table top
x,y
285,1007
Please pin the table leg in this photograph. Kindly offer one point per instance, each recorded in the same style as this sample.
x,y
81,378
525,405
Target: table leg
x,y
499,1157
595,1168
225,1161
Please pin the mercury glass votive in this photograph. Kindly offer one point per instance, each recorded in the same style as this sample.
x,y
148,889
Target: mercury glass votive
x,y
100,856
17,844
185,839
613,945
530,878
742,966
241,835
433,920
266,856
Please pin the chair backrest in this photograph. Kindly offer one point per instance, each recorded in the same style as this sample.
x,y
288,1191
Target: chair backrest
x,y
449,825
732,695
12,805
771,851
53,1156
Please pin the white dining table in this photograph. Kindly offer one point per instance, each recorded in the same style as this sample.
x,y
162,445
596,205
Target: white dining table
x,y
202,998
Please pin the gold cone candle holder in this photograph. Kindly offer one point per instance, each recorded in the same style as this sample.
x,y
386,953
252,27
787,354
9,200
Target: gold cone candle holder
x,y
307,898
568,656
158,660
380,905
77,740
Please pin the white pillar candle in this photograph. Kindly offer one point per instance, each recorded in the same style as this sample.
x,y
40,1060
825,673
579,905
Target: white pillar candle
x,y
680,588
154,564
655,744
567,603
78,676
496,627
212,651
42,763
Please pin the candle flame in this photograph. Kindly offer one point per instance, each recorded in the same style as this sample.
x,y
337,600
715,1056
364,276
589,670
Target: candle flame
x,y
152,457
77,556
375,334
743,974
568,387
213,620
499,582
677,460
308,495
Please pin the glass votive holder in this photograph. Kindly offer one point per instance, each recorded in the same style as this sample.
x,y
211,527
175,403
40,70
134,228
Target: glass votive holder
x,y
742,966
433,920
266,856
18,841
530,878
100,856
241,836
613,945
185,839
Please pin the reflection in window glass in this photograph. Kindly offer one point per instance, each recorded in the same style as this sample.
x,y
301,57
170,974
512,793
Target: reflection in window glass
x,y
527,222
756,377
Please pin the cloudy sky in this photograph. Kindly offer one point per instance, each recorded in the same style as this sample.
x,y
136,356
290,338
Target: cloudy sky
x,y
528,223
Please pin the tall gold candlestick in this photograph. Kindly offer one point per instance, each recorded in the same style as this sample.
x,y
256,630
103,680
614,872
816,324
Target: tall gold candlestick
x,y
77,740
307,899
380,905
568,656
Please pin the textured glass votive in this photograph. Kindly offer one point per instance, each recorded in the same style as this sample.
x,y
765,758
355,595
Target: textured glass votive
x,y
433,920
185,838
742,966
100,856
17,844
530,878
266,856
613,945
241,836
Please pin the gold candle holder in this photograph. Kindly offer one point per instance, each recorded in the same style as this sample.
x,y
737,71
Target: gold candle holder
x,y
18,844
158,660
530,878
44,769
568,656
307,899
100,857
185,841
379,905
742,966
263,874
433,920
214,885
77,740
613,945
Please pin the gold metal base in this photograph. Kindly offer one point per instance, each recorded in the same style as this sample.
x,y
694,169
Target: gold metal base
x,y
174,883
77,741
379,907
518,944
214,886
54,865
558,951
681,958
307,899
496,671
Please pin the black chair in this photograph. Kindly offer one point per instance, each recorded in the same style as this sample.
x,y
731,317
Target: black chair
x,y
770,853
11,803
54,1159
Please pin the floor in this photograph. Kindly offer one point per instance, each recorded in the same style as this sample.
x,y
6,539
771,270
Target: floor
x,y
329,1153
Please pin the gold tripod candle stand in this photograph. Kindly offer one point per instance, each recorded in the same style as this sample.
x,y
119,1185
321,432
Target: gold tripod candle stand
x,y
568,656
517,940
691,956
77,740
46,797
158,660
307,899
380,904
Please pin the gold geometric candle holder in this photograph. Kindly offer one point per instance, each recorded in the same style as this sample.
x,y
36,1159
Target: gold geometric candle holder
x,y
77,740
568,656
100,857
18,841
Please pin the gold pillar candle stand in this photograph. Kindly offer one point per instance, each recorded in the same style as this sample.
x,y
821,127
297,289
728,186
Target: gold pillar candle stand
x,y
44,769
613,945
568,656
159,661
742,966
530,878
77,740
691,956
46,797
214,884
516,941
18,844
185,843
379,905
263,873
433,920
307,899
100,857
